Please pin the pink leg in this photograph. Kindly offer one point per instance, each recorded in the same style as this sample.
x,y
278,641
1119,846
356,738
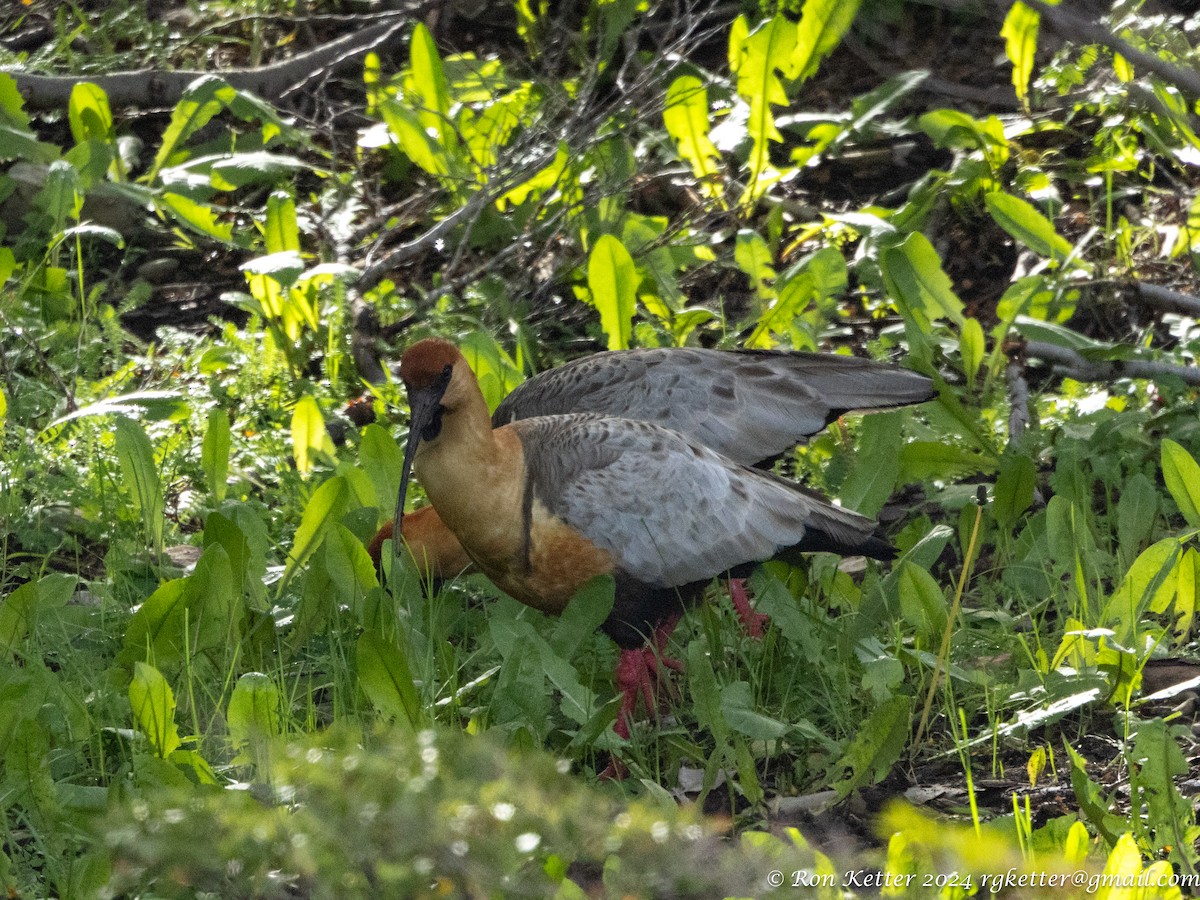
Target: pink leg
x,y
755,623
638,675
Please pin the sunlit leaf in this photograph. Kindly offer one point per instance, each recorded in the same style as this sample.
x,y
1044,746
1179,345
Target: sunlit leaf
x,y
153,706
612,280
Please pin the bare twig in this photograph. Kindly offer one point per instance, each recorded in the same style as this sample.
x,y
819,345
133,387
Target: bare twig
x,y
1081,368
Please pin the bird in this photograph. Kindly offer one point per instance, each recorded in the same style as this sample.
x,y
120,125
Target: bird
x,y
749,405
545,504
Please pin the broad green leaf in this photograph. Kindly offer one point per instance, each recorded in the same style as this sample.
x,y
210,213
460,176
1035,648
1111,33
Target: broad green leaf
x,y
876,464
1182,476
219,529
876,746
310,437
429,85
12,104
686,121
282,233
971,348
922,602
922,460
1020,33
253,715
495,370
544,180
767,50
203,99
585,612
737,708
753,257
22,144
349,567
381,457
612,280
706,696
17,613
240,170
1150,584
822,25
153,706
214,453
1014,489
1027,225
199,217
914,274
328,504
1137,508
386,679
89,114
406,126
140,474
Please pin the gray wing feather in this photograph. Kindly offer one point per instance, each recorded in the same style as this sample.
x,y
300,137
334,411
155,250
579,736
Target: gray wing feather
x,y
747,405
669,511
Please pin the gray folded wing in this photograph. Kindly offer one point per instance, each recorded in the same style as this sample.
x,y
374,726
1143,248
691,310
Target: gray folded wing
x,y
747,405
669,511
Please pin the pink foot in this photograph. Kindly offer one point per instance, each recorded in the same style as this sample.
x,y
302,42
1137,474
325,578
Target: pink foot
x,y
755,623
639,674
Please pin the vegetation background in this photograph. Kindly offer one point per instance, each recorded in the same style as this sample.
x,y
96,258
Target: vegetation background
x,y
205,689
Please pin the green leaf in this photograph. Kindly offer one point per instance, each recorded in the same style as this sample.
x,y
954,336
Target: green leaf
x,y
214,453
1014,489
753,257
239,170
282,234
328,504
706,697
349,567
199,217
1020,33
429,85
89,114
876,464
737,708
253,716
12,104
310,437
922,602
386,679
922,460
140,474
876,746
1182,476
381,458
203,99
585,613
612,280
1027,225
686,121
822,25
17,613
767,50
153,706
915,278
1136,511
416,143
971,348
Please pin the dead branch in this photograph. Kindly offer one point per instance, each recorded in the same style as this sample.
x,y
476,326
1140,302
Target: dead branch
x,y
1075,28
156,88
1079,367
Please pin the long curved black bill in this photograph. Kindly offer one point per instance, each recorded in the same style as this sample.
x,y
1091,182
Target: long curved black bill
x,y
423,406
